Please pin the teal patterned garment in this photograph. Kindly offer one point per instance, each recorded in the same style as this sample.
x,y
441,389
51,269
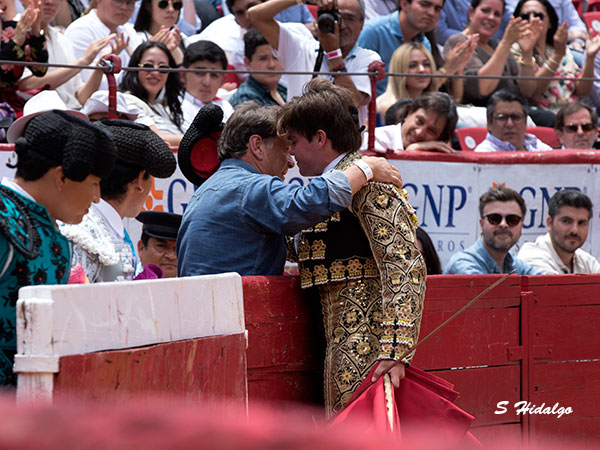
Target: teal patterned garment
x,y
32,251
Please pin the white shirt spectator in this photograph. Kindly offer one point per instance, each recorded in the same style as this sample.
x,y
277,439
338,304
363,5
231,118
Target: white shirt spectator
x,y
89,28
227,34
542,256
191,105
386,138
298,53
60,51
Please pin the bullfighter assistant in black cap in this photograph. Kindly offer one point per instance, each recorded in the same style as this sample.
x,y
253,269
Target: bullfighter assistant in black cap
x,y
158,242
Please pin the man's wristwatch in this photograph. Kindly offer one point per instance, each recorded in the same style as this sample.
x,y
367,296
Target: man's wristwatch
x,y
365,168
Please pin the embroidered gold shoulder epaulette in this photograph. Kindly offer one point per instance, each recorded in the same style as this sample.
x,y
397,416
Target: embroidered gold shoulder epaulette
x,y
403,195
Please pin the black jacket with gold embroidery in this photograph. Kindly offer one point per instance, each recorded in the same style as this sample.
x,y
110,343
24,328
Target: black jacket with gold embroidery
x,y
376,239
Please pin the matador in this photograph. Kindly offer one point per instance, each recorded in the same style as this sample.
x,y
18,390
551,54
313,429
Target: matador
x,y
370,274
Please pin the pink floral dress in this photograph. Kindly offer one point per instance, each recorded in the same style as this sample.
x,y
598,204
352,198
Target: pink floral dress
x,y
558,92
34,49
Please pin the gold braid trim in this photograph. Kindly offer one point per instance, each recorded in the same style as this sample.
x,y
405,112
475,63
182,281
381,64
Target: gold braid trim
x,y
389,222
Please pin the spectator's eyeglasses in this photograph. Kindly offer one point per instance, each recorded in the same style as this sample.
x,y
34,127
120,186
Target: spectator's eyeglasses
x,y
586,127
527,16
124,3
512,220
163,4
515,117
158,67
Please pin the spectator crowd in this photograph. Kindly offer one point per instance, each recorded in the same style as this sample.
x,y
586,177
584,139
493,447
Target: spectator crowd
x,y
497,45
79,175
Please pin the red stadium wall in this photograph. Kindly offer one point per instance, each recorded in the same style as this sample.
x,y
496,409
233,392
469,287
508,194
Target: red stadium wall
x,y
531,339
197,370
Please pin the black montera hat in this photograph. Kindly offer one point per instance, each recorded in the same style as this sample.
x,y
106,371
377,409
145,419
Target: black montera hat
x,y
197,153
80,147
137,144
162,225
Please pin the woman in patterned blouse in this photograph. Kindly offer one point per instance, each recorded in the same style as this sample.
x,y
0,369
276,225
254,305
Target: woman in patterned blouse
x,y
20,41
553,58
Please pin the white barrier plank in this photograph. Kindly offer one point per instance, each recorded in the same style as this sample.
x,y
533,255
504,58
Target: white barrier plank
x,y
109,316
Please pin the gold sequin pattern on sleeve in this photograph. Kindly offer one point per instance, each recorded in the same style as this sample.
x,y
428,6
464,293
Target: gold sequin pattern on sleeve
x,y
389,222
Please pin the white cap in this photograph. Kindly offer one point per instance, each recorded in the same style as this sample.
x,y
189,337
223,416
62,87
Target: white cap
x,y
98,103
36,105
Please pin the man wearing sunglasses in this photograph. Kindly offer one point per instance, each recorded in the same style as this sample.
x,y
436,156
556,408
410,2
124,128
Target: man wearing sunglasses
x,y
502,211
507,121
576,126
558,251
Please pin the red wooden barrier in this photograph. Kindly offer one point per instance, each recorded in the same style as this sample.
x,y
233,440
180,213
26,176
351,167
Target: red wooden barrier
x,y
532,339
564,363
197,370
181,337
284,341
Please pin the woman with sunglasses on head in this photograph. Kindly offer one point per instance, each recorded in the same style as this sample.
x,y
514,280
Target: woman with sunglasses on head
x,y
154,92
493,57
552,57
156,21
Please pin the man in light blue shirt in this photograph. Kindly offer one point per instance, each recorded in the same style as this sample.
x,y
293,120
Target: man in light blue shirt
x,y
502,210
384,34
237,220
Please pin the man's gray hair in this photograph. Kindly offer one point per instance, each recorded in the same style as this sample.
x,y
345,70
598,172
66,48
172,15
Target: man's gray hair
x,y
362,8
247,120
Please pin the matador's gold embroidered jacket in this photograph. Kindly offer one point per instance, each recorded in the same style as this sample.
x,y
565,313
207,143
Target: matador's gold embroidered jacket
x,y
376,240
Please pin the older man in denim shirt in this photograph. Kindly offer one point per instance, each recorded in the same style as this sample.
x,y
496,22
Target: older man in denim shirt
x,y
237,219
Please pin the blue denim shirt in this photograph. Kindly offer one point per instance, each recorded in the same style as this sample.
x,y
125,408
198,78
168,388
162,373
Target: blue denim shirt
x,y
236,221
476,259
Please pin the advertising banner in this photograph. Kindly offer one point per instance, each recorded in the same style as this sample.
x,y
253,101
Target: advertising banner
x,y
445,194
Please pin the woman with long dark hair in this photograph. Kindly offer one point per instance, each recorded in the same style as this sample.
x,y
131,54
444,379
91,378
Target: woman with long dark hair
x,y
155,92
427,249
